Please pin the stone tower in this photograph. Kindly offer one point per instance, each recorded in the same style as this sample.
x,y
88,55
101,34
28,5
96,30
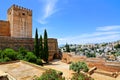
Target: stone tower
x,y
20,20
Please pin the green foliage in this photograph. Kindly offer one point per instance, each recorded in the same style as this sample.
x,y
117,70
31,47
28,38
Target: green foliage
x,y
22,51
91,55
80,76
30,57
41,53
46,53
39,62
36,44
117,53
20,56
67,48
6,59
10,53
117,46
1,55
78,66
73,49
50,75
104,44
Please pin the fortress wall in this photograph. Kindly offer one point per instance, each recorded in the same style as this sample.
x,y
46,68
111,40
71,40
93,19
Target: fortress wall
x,y
4,28
16,43
28,43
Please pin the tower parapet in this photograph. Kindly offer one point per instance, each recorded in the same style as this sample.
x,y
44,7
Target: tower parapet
x,y
16,7
20,19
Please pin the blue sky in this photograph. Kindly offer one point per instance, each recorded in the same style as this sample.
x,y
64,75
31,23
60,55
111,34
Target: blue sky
x,y
72,21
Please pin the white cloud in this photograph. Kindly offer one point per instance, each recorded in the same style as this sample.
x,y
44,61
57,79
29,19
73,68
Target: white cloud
x,y
42,21
108,28
48,10
95,37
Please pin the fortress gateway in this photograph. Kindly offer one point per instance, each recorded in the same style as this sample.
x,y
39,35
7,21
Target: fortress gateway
x,y
16,32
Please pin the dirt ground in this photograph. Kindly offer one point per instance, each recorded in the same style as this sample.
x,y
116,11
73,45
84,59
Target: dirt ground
x,y
60,66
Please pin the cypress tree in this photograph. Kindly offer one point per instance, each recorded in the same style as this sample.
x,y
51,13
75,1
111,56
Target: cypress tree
x,y
67,48
41,48
36,44
46,53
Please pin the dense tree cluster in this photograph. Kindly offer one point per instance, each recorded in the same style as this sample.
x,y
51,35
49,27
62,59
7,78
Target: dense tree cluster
x,y
41,47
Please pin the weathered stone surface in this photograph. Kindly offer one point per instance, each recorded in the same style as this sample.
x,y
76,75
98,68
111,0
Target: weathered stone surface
x,y
4,28
20,21
28,43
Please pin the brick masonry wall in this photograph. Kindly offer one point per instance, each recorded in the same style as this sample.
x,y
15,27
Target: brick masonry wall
x,y
28,43
20,21
4,28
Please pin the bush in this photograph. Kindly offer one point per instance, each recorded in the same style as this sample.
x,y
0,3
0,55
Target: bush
x,y
30,57
0,53
20,56
50,75
22,51
80,76
10,53
79,66
6,59
39,62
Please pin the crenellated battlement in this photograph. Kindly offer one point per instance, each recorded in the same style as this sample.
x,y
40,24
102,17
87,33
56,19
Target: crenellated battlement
x,y
22,18
22,8
19,8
